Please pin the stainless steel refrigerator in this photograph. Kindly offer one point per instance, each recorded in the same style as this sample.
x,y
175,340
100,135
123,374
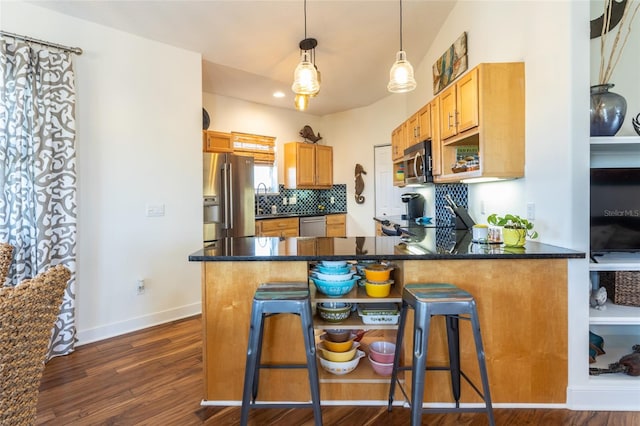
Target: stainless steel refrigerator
x,y
228,194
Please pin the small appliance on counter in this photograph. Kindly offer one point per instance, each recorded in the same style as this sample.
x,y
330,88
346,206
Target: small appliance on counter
x,y
415,205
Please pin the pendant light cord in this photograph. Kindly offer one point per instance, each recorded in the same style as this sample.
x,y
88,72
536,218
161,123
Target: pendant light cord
x,y
305,18
400,23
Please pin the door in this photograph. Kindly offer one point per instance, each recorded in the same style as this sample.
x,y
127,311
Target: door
x,y
305,164
467,101
387,196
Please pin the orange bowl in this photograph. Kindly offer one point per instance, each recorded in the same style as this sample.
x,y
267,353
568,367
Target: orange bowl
x,y
377,272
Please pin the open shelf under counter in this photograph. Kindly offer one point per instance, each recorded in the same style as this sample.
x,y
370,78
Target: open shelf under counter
x,y
357,295
354,322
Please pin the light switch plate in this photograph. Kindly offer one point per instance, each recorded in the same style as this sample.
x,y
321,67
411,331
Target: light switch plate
x,y
154,210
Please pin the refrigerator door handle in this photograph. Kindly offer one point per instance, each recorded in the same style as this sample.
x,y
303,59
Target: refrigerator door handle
x,y
230,192
225,196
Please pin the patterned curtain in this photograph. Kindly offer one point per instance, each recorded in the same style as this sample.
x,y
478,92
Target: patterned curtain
x,y
38,170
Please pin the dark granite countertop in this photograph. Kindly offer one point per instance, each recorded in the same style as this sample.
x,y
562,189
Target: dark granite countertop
x,y
436,243
281,215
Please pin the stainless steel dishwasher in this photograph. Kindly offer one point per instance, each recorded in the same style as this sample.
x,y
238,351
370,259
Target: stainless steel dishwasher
x,y
313,226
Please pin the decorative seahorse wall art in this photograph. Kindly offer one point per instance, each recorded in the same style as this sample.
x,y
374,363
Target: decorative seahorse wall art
x,y
359,183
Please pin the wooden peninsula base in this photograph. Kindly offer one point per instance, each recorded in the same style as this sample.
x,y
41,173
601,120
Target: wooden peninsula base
x,y
522,304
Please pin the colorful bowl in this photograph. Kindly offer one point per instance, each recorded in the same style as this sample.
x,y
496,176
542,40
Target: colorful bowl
x,y
382,351
334,311
335,288
333,271
341,368
383,369
337,346
377,272
333,263
378,289
338,335
332,277
338,356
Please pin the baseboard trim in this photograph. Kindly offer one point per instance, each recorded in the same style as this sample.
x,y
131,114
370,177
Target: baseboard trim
x,y
603,398
396,403
134,324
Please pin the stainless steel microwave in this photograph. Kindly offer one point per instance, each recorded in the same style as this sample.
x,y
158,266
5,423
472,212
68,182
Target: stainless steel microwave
x,y
418,163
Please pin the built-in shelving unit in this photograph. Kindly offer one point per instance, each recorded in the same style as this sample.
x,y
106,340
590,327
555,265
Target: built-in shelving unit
x,y
618,325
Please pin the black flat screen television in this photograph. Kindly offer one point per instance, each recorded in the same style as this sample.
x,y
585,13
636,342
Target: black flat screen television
x,y
615,210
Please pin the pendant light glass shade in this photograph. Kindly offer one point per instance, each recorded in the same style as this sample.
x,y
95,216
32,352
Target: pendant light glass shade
x,y
401,75
302,102
305,77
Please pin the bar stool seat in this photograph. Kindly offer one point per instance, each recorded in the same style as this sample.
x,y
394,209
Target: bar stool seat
x,y
427,300
275,298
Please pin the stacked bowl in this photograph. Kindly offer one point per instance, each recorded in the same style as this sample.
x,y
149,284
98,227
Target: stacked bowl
x,y
339,357
381,355
377,282
334,278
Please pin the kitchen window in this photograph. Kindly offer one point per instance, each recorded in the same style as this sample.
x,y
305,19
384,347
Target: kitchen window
x,y
263,150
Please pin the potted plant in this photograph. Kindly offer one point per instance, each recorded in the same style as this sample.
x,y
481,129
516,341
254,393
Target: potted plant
x,y
515,229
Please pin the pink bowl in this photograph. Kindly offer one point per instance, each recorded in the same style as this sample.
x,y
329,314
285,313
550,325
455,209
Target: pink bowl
x,y
382,352
380,368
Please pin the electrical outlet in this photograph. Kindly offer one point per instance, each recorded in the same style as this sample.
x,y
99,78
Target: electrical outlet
x,y
531,211
483,209
293,199
332,200
284,201
140,287
154,210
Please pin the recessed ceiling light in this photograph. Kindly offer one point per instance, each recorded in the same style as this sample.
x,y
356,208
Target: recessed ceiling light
x,y
278,94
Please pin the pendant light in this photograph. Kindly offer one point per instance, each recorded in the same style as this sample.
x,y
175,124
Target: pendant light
x,y
401,75
305,77
301,102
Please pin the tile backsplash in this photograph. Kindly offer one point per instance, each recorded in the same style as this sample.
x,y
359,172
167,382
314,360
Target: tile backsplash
x,y
307,201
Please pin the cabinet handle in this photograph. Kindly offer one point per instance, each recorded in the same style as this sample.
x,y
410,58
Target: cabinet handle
x,y
449,120
457,122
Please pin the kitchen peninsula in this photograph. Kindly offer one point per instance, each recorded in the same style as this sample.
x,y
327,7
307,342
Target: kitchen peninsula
x,y
521,296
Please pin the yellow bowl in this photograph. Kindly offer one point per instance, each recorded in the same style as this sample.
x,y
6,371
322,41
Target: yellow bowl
x,y
337,346
377,289
338,356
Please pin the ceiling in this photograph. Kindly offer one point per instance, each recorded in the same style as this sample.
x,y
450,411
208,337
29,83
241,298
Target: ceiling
x,y
250,48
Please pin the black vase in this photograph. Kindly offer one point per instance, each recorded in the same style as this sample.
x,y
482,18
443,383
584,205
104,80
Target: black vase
x,y
607,110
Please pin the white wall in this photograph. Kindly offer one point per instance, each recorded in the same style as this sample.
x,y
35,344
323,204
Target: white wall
x,y
235,115
499,31
139,123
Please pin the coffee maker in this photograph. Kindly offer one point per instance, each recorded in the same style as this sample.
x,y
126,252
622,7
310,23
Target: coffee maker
x,y
415,205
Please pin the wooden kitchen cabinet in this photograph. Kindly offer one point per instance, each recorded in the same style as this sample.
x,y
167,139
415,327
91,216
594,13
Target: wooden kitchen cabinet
x,y
336,225
398,142
459,106
486,108
280,227
213,141
419,126
308,166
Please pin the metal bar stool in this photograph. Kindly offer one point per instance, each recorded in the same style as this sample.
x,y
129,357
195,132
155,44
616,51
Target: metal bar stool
x,y
452,302
272,299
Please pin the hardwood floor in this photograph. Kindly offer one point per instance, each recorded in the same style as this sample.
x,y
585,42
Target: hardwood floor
x,y
154,377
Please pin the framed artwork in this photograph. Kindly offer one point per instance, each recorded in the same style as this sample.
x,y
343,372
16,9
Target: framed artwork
x,y
451,64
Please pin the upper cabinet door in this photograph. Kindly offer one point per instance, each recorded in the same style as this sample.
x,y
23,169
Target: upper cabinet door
x,y
324,165
467,101
306,165
213,141
448,112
